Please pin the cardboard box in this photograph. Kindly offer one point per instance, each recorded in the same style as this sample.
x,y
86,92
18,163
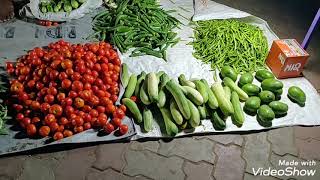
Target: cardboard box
x,y
286,58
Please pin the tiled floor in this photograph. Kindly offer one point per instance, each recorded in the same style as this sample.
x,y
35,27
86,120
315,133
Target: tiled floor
x,y
205,157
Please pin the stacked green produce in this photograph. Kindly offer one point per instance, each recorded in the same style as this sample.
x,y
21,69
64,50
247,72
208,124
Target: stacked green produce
x,y
60,5
142,25
185,103
230,43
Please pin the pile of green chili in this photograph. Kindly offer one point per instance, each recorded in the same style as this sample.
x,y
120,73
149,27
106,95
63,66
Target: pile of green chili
x,y
139,24
230,42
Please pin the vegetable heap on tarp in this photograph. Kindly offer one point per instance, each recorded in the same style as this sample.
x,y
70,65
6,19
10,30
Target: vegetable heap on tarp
x,y
230,42
142,25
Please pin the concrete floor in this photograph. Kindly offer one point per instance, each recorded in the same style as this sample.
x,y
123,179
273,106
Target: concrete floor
x,y
229,156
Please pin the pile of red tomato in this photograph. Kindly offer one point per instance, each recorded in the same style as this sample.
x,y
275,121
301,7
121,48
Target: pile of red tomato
x,y
66,88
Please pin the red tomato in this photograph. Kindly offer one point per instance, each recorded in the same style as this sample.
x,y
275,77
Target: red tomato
x,y
108,128
67,133
53,126
52,91
123,129
49,118
31,130
66,64
61,97
35,120
72,94
78,121
45,107
44,131
49,99
78,129
19,116
119,113
63,121
101,109
66,84
116,122
56,110
57,136
63,76
79,102
16,87
35,105
123,108
77,86
86,126
102,121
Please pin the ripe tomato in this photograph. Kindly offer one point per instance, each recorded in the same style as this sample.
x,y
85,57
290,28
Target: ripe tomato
x,y
133,98
78,129
116,122
44,131
102,121
86,108
66,64
69,71
72,94
63,76
16,87
35,105
108,128
49,118
45,107
23,96
66,84
35,120
79,102
123,129
67,133
57,136
19,116
114,98
60,128
86,126
61,97
110,108
118,113
31,130
78,121
76,76
53,126
31,84
49,99
87,86
77,86
56,110
69,110
52,91
101,109
123,108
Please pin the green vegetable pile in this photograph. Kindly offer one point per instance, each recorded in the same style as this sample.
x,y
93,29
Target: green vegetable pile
x,y
139,24
60,5
185,103
230,43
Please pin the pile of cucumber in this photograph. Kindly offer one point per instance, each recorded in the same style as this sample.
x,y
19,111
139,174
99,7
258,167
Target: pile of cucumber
x,y
184,103
60,5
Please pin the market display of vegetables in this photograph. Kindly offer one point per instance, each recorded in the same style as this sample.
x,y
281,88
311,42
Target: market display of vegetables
x,y
60,5
64,89
184,103
230,43
141,25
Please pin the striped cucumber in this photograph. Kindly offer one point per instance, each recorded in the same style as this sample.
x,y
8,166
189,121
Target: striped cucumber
x,y
133,108
179,97
232,85
147,119
124,75
194,120
193,95
224,104
202,89
217,122
171,128
141,78
184,82
162,99
175,112
238,115
212,100
152,86
143,94
131,86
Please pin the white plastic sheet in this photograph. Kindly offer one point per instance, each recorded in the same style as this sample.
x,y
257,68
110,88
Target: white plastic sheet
x,y
181,61
32,10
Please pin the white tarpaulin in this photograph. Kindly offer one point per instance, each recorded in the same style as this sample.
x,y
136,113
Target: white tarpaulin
x,y
32,10
181,61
